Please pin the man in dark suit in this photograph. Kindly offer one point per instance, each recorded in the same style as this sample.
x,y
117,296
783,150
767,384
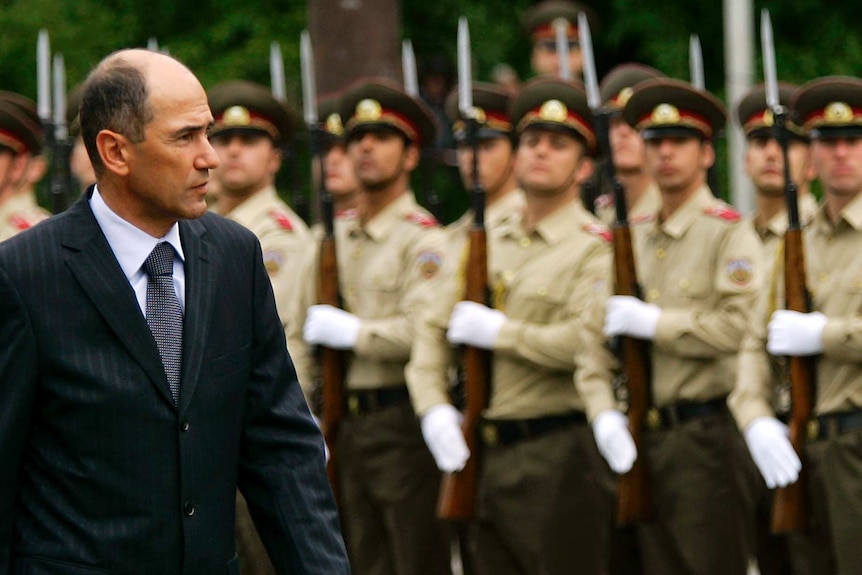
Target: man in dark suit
x,y
121,444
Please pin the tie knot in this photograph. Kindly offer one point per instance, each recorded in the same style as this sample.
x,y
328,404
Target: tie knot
x,y
160,262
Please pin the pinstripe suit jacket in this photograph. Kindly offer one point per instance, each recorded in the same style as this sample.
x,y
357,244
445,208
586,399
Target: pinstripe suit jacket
x,y
99,471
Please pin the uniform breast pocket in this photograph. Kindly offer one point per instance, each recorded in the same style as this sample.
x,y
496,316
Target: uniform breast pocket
x,y
543,300
693,287
379,293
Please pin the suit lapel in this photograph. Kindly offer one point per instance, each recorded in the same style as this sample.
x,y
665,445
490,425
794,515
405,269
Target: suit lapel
x,y
96,269
200,297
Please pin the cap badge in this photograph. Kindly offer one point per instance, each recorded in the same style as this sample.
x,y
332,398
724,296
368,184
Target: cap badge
x,y
478,114
624,96
768,118
553,111
838,113
368,110
236,116
665,114
333,125
564,23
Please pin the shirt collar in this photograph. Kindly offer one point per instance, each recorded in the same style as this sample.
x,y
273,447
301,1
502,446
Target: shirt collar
x,y
688,213
384,222
131,245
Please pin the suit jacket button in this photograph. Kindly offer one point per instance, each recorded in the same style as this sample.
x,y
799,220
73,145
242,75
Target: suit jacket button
x,y
188,509
185,426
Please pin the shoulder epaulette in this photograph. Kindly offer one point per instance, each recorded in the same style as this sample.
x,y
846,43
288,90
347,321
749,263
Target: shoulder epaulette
x,y
724,212
424,220
599,230
642,219
282,219
349,214
20,222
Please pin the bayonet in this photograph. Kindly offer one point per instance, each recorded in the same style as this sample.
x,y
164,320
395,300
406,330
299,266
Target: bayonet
x,y
591,83
43,75
465,71
561,34
695,62
276,72
408,64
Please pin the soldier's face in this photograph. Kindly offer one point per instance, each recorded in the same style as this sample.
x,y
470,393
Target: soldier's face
x,y
764,164
550,163
544,58
340,176
496,164
627,146
12,168
678,165
249,162
838,164
381,158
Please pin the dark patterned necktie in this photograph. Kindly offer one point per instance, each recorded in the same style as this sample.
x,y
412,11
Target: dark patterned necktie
x,y
164,314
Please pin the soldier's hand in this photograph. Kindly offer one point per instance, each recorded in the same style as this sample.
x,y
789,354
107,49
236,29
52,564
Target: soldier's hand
x,y
772,452
627,315
327,325
474,324
795,333
441,428
614,441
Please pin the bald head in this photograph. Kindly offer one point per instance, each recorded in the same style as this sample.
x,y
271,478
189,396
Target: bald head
x,y
117,95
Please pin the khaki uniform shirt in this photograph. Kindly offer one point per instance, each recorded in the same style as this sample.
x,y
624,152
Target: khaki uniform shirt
x,y
19,213
833,262
285,241
772,234
551,283
428,372
702,267
388,272
647,205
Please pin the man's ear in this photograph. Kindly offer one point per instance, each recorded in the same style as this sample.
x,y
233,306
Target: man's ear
x,y
411,157
585,169
114,150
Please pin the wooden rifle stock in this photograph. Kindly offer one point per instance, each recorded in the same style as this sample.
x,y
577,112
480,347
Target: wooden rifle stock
x,y
458,490
634,494
790,508
333,362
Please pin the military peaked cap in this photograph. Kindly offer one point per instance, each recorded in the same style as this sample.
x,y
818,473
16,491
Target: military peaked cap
x,y
756,119
830,107
552,103
377,103
667,108
618,85
490,108
242,106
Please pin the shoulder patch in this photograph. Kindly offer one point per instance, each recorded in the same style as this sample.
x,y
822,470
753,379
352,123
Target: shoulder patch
x,y
604,201
724,212
642,219
349,214
20,222
599,230
429,264
273,260
739,270
282,219
424,220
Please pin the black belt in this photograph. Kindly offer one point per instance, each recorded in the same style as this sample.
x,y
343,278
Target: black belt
x,y
679,413
361,401
498,432
830,425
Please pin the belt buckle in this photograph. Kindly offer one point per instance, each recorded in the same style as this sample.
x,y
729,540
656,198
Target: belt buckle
x,y
653,419
812,429
490,435
353,405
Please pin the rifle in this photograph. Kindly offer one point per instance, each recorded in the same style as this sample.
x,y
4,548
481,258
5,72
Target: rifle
x,y
790,508
458,490
61,147
634,499
333,364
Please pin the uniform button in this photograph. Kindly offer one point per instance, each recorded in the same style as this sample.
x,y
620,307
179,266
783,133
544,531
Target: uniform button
x,y
508,275
185,426
660,253
824,278
652,295
543,291
188,509
683,283
525,242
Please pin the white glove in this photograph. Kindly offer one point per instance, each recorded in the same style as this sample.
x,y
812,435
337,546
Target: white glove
x,y
330,326
772,452
474,324
627,315
794,333
441,428
615,443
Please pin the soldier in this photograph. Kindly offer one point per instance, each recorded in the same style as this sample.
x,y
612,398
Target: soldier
x,y
545,495
764,163
390,251
250,126
828,110
699,266
341,180
627,147
539,21
20,153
